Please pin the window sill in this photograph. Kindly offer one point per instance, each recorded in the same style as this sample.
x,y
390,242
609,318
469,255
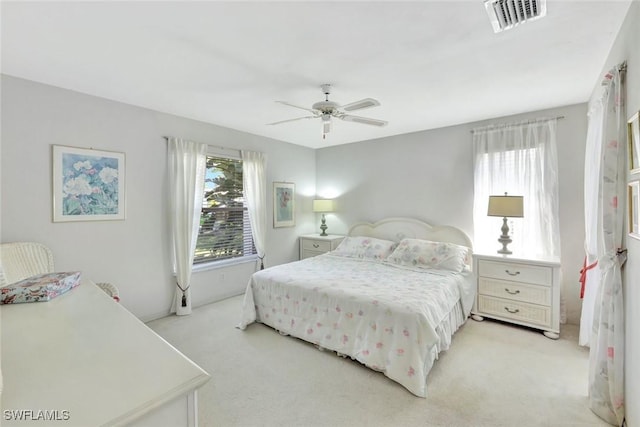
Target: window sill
x,y
214,265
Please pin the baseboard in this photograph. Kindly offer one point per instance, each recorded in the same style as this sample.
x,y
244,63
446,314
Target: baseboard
x,y
218,298
155,316
160,315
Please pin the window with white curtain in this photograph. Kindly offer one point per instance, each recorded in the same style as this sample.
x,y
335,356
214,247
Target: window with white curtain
x,y
500,168
519,160
225,229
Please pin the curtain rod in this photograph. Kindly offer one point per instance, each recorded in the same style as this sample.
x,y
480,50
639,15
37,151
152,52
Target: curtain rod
x,y
237,150
525,122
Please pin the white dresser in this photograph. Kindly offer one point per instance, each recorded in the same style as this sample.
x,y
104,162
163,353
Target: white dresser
x,y
83,360
520,290
315,244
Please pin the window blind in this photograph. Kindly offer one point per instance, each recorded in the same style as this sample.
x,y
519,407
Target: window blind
x,y
225,230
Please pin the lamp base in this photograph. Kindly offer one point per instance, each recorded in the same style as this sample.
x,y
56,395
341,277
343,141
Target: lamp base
x,y
504,249
323,226
504,238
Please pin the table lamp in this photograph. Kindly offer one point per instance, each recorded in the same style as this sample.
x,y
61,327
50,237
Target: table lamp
x,y
323,206
506,207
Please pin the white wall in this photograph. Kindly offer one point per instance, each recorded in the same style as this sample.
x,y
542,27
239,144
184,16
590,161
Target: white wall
x,y
627,47
400,176
132,254
429,175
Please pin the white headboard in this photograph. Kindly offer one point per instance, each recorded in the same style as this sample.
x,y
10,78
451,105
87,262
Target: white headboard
x,y
396,229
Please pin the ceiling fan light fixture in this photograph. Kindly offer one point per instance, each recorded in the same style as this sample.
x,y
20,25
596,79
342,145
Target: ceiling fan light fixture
x,y
507,14
326,125
326,107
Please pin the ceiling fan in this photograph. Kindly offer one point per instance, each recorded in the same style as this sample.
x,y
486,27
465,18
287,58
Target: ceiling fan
x,y
326,109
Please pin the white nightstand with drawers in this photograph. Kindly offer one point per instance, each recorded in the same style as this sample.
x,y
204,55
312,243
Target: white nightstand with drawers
x,y
315,244
525,291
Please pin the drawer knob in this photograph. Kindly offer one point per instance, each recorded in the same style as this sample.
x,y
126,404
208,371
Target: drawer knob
x,y
512,311
512,273
516,292
315,245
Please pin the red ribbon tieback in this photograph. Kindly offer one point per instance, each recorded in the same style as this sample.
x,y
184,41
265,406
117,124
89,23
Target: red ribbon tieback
x,y
583,275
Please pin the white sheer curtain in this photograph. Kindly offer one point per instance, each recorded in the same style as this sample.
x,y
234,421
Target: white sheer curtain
x,y
521,160
254,186
590,272
604,231
187,162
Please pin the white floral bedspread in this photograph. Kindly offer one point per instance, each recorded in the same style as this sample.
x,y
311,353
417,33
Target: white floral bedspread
x,y
380,315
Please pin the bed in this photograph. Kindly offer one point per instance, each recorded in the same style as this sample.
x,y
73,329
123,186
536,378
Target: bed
x,y
390,296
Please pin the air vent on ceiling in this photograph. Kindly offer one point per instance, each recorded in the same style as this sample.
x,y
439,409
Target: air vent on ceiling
x,y
506,14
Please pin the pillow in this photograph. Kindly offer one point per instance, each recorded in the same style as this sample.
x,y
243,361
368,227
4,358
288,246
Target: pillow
x,y
368,248
427,254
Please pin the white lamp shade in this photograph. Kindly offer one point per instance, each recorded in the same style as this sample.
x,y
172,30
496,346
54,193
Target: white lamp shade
x,y
506,206
323,205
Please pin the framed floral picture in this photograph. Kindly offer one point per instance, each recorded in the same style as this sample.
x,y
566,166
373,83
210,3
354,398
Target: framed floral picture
x,y
88,184
633,132
634,209
284,204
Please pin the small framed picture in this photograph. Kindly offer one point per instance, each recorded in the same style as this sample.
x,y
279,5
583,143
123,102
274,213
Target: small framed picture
x,y
284,204
88,185
634,209
633,132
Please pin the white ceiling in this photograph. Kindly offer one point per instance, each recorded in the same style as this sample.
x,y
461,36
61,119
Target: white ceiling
x,y
430,64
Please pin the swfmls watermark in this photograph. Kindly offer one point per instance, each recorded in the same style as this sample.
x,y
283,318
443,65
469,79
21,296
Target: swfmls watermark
x,y
36,415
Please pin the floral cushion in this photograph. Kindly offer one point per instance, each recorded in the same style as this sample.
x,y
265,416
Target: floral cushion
x,y
427,254
368,248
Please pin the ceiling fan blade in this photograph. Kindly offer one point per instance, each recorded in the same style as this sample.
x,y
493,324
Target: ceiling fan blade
x,y
362,104
292,120
296,106
363,120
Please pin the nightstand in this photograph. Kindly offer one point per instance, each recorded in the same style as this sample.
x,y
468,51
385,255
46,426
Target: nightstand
x,y
520,290
315,244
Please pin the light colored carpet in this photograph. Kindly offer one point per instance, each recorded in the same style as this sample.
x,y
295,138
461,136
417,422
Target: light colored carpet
x,y
494,374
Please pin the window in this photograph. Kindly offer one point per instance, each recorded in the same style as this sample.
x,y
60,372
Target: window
x,y
225,230
521,160
502,172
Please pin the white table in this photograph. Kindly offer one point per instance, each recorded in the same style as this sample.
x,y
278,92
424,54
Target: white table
x,y
84,358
